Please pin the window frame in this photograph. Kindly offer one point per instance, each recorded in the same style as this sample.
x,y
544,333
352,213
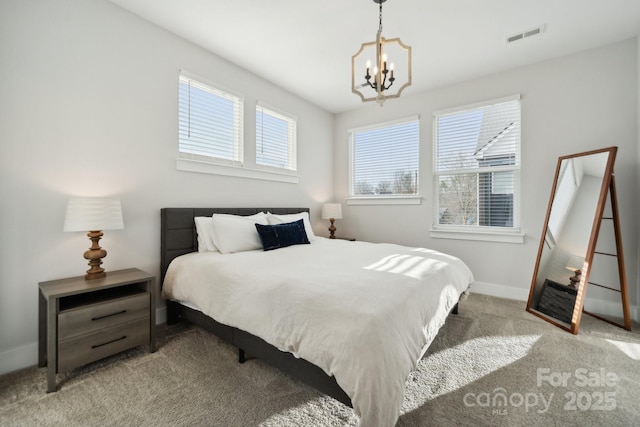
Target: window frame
x,y
292,138
238,122
511,234
382,199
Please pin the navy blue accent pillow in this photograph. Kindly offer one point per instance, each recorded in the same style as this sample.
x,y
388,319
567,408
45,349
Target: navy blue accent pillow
x,y
282,235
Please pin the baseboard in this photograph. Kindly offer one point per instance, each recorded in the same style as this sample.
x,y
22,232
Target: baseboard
x,y
27,355
18,358
608,308
500,291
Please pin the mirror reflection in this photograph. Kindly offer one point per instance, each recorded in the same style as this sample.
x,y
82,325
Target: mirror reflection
x,y
573,212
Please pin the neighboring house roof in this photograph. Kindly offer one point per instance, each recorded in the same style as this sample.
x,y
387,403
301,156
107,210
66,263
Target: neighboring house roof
x,y
498,121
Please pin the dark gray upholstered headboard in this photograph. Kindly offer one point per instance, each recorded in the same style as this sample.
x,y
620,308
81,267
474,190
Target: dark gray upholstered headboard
x,y
178,231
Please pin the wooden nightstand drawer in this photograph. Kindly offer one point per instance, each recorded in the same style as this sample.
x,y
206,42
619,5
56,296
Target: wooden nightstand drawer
x,y
86,319
89,348
557,301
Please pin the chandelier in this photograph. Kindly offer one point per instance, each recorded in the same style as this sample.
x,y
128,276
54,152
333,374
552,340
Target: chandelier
x,y
386,78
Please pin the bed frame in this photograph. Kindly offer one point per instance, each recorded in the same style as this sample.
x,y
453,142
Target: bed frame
x,y
178,237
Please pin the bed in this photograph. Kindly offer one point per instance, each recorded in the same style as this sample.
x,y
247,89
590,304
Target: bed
x,y
316,311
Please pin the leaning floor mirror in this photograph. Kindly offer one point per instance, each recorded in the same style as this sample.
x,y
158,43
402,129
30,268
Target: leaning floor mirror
x,y
574,253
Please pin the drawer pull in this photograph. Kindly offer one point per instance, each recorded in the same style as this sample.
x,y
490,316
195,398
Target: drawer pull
x,y
108,315
109,342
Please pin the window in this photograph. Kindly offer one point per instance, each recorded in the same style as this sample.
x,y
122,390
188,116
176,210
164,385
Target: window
x,y
209,123
275,139
477,167
210,135
384,160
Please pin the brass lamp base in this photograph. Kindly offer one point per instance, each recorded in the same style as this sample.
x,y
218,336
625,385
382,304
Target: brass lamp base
x,y
332,229
95,255
575,279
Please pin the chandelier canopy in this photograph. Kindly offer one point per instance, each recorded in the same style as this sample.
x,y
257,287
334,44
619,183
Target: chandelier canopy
x,y
388,79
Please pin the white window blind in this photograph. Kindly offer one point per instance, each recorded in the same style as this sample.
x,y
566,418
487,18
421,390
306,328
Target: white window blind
x,y
275,139
384,159
209,122
477,165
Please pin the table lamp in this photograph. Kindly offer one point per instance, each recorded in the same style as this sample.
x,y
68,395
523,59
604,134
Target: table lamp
x,y
575,264
332,211
94,215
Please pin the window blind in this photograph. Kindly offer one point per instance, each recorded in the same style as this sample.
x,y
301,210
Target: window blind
x,y
477,165
209,122
275,139
384,159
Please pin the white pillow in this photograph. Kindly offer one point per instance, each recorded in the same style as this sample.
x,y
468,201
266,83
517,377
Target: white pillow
x,y
235,233
204,228
304,216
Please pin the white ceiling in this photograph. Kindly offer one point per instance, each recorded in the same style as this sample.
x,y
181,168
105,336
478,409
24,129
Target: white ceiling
x,y
306,46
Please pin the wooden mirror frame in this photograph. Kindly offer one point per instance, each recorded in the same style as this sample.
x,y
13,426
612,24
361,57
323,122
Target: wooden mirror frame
x,y
607,188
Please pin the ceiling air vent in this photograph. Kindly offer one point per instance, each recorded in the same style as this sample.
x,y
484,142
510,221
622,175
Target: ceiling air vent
x,y
526,34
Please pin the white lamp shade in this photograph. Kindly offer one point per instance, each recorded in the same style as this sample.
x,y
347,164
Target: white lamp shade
x,y
575,262
332,210
93,214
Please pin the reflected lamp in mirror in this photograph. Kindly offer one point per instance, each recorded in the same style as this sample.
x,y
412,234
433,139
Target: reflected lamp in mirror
x,y
332,211
93,215
575,264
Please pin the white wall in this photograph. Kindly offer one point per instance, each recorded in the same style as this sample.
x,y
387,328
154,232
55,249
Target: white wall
x,y
572,104
637,199
88,107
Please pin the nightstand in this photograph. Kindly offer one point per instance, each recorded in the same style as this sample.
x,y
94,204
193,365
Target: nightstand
x,y
81,321
351,239
557,300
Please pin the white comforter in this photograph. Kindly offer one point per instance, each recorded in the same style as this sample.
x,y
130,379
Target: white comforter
x,y
363,312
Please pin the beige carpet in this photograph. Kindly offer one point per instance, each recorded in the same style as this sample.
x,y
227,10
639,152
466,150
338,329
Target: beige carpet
x,y
482,369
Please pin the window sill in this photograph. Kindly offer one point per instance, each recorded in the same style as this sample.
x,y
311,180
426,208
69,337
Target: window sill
x,y
485,236
190,165
385,200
